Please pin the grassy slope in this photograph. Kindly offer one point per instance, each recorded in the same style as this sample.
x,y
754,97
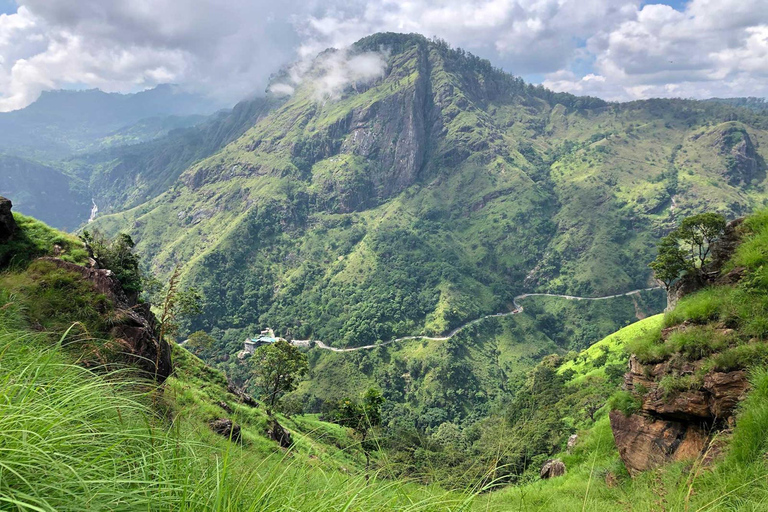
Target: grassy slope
x,y
596,479
73,439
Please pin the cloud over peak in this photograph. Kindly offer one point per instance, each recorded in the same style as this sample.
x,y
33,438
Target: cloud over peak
x,y
618,49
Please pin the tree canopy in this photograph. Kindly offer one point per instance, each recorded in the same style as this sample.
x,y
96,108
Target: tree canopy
x,y
277,369
687,248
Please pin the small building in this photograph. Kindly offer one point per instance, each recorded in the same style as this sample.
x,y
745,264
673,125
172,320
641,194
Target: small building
x,y
267,337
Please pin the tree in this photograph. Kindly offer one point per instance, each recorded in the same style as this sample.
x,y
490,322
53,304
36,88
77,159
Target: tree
x,y
362,417
277,368
687,248
116,255
670,261
199,341
698,233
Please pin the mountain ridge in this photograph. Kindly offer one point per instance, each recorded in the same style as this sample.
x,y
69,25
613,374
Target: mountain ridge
x,y
445,168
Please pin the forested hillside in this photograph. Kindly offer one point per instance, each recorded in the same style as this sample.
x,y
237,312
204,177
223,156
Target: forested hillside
x,y
432,193
37,144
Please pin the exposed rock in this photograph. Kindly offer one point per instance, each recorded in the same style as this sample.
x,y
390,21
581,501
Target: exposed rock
x,y
645,442
743,164
552,468
726,390
242,395
136,332
277,433
674,427
7,222
572,442
226,428
225,406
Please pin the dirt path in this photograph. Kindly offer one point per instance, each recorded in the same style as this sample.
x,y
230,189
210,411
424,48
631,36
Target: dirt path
x,y
518,309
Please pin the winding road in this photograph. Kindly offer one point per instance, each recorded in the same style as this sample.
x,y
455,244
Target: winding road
x,y
518,309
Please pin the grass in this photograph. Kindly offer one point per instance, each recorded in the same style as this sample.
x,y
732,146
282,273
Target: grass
x,y
34,239
611,350
72,439
596,478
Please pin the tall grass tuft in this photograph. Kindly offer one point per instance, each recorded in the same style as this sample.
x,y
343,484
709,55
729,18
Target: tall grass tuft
x,y
77,440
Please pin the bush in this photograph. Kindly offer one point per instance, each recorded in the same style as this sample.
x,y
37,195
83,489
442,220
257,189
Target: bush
x,y
625,402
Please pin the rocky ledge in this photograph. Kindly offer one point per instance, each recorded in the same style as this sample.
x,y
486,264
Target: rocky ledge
x,y
136,332
674,426
7,222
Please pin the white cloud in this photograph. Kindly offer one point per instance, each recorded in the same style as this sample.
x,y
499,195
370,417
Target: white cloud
x,y
713,48
331,73
620,49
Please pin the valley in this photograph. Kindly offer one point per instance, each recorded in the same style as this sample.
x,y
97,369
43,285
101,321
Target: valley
x,y
487,295
518,309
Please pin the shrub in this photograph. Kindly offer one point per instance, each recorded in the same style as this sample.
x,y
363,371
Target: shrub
x,y
625,402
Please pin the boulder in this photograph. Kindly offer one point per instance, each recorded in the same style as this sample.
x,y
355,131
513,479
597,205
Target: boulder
x,y
277,433
7,222
226,428
552,468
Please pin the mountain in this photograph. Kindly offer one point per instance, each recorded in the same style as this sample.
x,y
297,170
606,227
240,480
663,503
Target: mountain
x,y
45,192
432,191
751,103
110,150
62,122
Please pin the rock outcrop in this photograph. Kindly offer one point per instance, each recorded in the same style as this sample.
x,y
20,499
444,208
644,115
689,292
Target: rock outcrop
x,y
7,222
743,163
135,329
676,426
572,442
552,468
226,428
278,433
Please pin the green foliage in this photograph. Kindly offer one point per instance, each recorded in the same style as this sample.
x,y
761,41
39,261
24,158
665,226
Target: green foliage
x,y
71,439
277,368
118,256
698,233
688,247
199,341
52,298
360,416
670,261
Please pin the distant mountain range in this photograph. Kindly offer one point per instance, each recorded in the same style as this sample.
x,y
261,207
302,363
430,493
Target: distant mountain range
x,y
39,141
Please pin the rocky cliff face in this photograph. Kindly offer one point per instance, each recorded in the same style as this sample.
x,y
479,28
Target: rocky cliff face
x,y
743,163
679,422
674,426
135,331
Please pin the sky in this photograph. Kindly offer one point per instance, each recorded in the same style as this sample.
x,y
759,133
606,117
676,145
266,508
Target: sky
x,y
227,49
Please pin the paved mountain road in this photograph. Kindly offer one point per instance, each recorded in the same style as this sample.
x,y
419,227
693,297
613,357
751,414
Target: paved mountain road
x,y
518,309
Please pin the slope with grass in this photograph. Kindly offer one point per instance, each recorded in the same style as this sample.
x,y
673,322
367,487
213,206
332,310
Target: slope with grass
x,y
716,331
81,430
